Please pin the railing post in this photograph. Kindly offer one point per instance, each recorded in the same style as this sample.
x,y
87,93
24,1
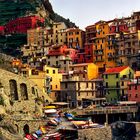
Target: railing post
x,y
106,123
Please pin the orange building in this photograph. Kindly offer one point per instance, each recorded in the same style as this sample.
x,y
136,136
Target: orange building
x,y
104,51
75,37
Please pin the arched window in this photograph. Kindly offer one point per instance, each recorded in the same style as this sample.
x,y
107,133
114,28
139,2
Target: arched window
x,y
26,129
23,91
13,90
33,90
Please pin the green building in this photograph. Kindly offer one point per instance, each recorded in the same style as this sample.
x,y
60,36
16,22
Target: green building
x,y
115,82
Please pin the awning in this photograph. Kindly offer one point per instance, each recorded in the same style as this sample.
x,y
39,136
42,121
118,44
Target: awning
x,y
49,107
59,103
50,111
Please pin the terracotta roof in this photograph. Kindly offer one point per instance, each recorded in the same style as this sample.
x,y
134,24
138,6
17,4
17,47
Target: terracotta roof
x,y
115,70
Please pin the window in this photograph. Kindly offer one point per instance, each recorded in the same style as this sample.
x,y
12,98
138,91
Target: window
x,y
86,85
106,76
66,86
13,90
136,96
84,76
48,62
56,86
47,71
23,91
78,93
129,87
53,71
122,83
33,90
117,75
117,84
106,84
64,61
135,87
56,62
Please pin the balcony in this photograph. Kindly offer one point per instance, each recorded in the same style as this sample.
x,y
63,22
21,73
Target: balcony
x,y
112,87
98,53
128,55
99,60
79,71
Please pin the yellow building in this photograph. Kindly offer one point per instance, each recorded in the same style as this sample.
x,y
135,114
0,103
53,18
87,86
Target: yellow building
x,y
56,78
75,37
48,80
85,71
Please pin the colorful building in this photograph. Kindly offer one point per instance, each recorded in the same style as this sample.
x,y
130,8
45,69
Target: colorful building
x,y
85,54
118,26
22,24
115,82
75,38
56,78
82,72
134,90
128,49
47,80
104,50
60,56
58,34
77,93
36,47
90,33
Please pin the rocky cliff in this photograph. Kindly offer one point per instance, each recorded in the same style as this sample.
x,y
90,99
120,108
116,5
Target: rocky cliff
x,y
11,9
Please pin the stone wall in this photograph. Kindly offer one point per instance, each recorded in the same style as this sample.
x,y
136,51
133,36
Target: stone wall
x,y
95,134
21,104
33,125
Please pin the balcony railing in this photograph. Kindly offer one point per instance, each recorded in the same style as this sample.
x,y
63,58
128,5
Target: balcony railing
x,y
99,60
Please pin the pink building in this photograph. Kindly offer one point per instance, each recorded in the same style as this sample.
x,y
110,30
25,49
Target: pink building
x,y
118,25
85,55
59,50
134,90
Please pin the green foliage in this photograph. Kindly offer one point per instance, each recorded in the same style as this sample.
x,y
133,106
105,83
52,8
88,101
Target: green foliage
x,y
1,100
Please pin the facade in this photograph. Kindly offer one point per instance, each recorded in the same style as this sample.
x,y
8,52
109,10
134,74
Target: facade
x,y
90,33
58,34
128,49
75,38
74,92
36,47
115,82
104,50
22,24
47,80
82,72
85,54
60,56
56,78
134,90
118,26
